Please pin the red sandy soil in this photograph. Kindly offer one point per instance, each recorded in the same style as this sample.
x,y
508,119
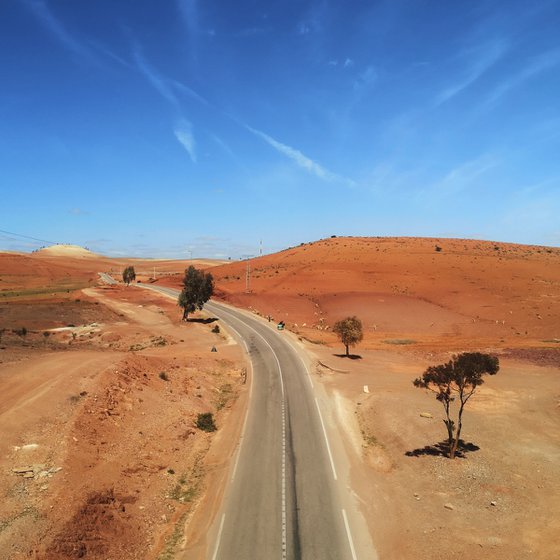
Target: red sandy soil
x,y
118,440
469,294
505,496
104,412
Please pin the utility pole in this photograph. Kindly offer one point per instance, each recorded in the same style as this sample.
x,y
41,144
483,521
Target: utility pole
x,y
260,249
248,278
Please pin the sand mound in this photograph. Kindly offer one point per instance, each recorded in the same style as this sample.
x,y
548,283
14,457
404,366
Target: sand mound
x,y
66,251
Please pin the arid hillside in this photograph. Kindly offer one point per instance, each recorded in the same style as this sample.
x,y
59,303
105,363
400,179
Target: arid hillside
x,y
63,268
446,292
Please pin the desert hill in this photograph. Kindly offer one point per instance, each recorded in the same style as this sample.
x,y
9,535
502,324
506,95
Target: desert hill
x,y
65,250
62,268
457,291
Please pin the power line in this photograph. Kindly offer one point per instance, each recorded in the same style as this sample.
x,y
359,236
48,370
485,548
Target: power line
x,y
28,237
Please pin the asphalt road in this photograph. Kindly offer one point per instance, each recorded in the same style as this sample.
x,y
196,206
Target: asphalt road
x,y
107,278
283,500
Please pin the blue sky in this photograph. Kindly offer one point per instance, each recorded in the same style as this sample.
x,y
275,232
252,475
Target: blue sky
x,y
150,128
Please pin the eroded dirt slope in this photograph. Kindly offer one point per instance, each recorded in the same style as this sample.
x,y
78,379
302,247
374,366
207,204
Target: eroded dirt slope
x,y
100,454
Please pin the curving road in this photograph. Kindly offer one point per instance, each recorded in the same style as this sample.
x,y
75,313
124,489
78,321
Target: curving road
x,y
285,499
106,278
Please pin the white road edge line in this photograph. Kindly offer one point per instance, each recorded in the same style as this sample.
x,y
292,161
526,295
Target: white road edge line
x,y
305,368
242,435
326,439
349,534
235,465
215,555
241,438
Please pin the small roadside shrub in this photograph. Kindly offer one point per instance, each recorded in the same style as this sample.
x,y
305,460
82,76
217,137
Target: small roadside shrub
x,y
163,375
438,249
216,329
205,422
158,341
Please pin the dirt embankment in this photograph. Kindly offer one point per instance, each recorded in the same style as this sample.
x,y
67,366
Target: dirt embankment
x,y
99,397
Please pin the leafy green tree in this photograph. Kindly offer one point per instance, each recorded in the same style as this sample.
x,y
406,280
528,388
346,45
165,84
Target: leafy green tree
x,y
457,379
349,331
198,287
129,275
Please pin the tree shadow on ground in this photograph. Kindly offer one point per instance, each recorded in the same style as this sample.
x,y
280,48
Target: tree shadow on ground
x,y
441,449
350,356
206,321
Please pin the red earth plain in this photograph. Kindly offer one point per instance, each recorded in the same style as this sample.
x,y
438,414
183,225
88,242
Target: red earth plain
x,y
100,386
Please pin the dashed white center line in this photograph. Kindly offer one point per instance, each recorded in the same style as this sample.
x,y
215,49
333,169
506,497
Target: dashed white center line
x,y
284,513
284,525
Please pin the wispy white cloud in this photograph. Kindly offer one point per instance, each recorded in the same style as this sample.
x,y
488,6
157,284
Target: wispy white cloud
x,y
223,145
311,23
464,175
541,63
78,212
58,30
469,171
189,13
348,63
184,134
538,214
479,60
189,91
154,77
109,53
365,79
86,49
226,148
303,28
300,159
166,87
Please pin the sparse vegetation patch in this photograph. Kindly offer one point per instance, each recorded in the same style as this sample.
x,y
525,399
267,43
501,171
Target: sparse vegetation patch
x,y
205,422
